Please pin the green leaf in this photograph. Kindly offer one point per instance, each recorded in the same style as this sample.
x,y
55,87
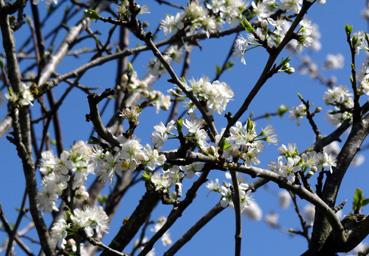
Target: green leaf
x,y
179,125
365,201
183,79
130,67
226,145
146,175
250,126
285,61
247,25
348,29
102,199
229,65
358,199
92,14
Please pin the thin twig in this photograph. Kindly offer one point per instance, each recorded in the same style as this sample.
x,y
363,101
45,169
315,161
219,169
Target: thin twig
x,y
237,210
22,212
105,247
304,226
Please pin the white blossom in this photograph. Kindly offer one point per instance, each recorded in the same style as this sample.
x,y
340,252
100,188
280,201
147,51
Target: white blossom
x,y
281,26
326,161
104,163
242,44
360,42
263,9
93,220
291,5
160,101
213,185
309,213
172,23
225,190
227,10
161,132
24,97
164,180
339,95
364,84
154,159
193,125
334,61
216,95
269,134
59,233
284,199
132,82
253,211
191,169
309,35
48,162
298,112
245,143
131,154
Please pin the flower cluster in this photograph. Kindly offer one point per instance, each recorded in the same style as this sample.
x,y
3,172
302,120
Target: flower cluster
x,y
308,37
334,61
92,221
226,190
166,179
152,97
363,78
161,133
23,98
298,112
196,133
57,174
215,94
206,18
342,100
226,10
245,144
242,45
290,161
359,42
74,165
266,31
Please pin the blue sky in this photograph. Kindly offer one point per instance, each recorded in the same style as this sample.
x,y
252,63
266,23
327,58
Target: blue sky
x,y
217,237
